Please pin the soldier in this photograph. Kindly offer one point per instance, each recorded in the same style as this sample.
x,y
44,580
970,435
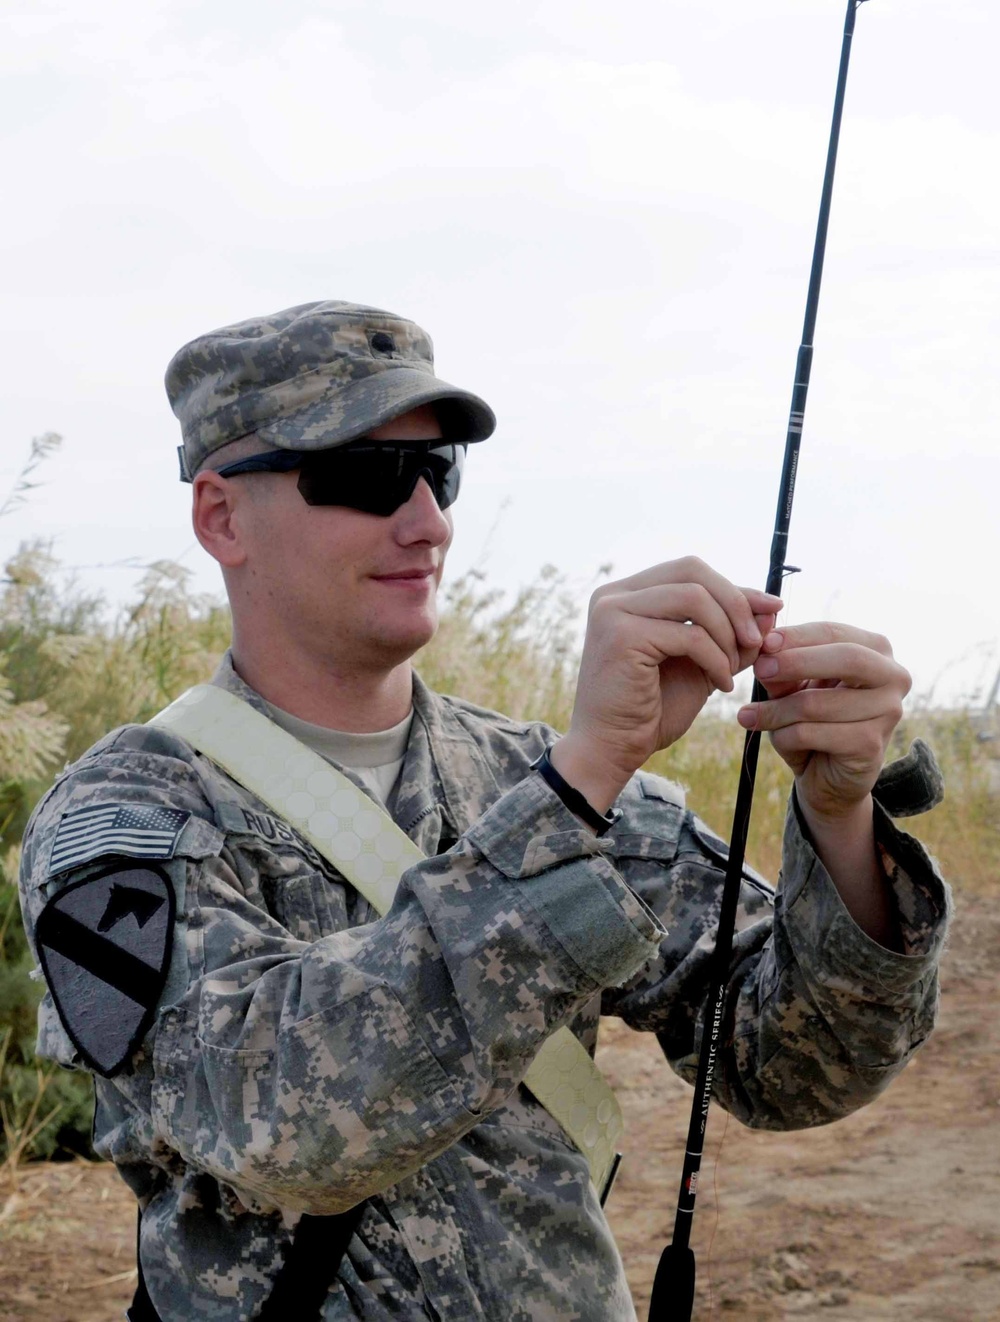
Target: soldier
x,y
321,1111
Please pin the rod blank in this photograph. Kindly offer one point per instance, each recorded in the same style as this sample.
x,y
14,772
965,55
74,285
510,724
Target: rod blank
x,y
674,1284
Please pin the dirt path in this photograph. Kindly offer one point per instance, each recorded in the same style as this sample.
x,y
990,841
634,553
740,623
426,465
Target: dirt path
x,y
67,1245
893,1213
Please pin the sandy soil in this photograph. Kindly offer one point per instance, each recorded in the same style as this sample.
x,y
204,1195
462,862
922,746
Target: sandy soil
x,y
893,1213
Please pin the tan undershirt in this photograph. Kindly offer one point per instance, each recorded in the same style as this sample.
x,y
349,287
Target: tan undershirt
x,y
375,758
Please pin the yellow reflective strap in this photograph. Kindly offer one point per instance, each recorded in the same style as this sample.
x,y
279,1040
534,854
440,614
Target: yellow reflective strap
x,y
564,1078
371,852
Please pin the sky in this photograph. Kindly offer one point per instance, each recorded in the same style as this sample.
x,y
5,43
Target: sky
x,y
604,216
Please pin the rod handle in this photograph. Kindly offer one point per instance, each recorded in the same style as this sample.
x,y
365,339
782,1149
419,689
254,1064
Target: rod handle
x,y
673,1287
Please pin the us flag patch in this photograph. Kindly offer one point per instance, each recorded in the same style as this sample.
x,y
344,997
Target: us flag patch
x,y
136,830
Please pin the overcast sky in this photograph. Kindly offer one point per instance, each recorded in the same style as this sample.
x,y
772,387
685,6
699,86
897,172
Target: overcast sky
x,y
604,216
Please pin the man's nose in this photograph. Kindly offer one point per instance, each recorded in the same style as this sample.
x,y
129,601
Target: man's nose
x,y
421,517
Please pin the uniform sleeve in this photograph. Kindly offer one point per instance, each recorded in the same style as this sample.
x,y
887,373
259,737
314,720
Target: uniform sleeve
x,y
308,1076
820,1017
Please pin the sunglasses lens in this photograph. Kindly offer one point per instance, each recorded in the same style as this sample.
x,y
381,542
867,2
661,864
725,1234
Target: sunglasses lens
x,y
377,479
448,477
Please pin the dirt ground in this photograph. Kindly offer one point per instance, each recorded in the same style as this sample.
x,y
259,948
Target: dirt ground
x,y
893,1213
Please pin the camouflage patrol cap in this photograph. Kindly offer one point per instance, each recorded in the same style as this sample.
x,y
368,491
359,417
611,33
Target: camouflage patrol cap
x,y
309,378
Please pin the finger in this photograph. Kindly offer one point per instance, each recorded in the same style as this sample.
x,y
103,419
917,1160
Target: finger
x,y
807,706
674,640
824,631
685,603
763,602
776,689
764,610
765,623
860,741
740,605
765,627
850,662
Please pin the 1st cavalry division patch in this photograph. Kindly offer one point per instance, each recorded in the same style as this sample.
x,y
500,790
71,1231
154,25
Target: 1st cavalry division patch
x,y
104,945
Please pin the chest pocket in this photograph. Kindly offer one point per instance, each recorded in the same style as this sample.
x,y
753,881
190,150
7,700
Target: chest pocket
x,y
283,874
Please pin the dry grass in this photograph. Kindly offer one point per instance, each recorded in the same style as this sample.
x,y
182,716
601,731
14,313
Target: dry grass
x,y
964,831
519,658
707,763
23,1119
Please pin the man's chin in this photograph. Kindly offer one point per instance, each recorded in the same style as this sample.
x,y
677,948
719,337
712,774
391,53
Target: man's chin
x,y
399,643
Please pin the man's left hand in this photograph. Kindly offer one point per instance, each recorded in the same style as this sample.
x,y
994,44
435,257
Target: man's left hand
x,y
835,696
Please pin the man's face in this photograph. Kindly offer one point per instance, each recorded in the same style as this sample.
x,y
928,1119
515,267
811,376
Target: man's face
x,y
352,588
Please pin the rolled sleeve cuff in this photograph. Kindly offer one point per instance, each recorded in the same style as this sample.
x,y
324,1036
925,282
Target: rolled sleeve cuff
x,y
531,829
564,873
817,920
922,897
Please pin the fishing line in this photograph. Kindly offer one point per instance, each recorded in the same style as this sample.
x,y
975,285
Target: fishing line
x,y
718,1218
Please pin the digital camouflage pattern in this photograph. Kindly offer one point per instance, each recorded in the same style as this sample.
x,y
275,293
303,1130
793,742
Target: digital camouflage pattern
x,y
308,378
305,1056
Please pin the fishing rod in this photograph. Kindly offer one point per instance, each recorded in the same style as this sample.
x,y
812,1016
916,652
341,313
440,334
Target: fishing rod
x,y
673,1287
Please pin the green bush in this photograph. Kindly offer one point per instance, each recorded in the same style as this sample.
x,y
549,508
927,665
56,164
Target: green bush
x,y
68,674
44,1111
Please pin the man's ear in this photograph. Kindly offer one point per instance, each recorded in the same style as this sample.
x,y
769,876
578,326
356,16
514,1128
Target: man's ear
x,y
212,516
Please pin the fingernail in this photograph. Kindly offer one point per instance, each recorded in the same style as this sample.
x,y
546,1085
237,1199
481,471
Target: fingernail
x,y
774,640
753,633
766,667
747,717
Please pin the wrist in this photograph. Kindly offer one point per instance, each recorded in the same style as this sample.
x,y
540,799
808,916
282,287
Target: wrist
x,y
848,820
599,823
588,770
845,845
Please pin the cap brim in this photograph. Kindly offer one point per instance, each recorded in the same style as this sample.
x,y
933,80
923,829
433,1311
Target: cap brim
x,y
352,410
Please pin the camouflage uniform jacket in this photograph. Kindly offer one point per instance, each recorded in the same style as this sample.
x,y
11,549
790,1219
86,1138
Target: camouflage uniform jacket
x,y
306,1055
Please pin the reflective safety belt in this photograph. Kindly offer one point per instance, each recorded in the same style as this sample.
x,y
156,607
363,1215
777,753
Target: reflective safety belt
x,y
367,848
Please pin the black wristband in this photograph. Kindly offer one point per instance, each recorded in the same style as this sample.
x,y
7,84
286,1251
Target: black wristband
x,y
573,799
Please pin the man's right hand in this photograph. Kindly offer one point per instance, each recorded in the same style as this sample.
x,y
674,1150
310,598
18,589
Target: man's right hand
x,y
658,645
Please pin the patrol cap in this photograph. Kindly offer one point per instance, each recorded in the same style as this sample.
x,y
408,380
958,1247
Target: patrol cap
x,y
310,378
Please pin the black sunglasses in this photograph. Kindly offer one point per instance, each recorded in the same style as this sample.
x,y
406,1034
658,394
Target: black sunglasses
x,y
375,477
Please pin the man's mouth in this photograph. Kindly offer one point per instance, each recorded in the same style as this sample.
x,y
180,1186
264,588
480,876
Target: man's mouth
x,y
405,576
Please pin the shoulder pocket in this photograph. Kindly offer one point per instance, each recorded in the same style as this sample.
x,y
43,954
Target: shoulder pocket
x,y
717,850
87,833
652,817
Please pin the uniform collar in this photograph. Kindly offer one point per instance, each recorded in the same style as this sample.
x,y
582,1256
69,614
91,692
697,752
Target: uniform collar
x,y
423,800
225,677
